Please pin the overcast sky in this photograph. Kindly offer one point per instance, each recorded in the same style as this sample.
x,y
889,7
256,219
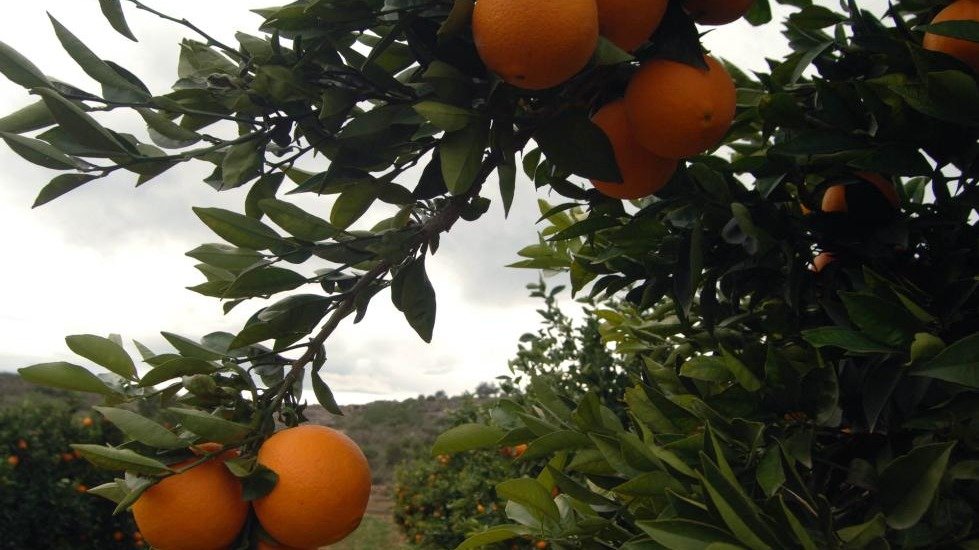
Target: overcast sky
x,y
109,258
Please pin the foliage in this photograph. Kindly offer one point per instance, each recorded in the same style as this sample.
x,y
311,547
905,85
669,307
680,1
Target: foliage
x,y
42,490
769,406
438,499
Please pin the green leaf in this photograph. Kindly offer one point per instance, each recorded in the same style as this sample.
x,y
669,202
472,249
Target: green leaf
x,y
39,152
115,87
167,133
175,368
607,53
242,163
532,495
495,534
881,320
561,440
466,437
19,70
769,473
264,282
103,352
66,376
80,125
963,29
324,395
27,119
859,536
706,368
352,204
682,533
134,486
844,338
141,429
60,185
412,293
210,427
113,491
112,10
736,509
461,154
238,229
958,363
225,256
258,483
296,221
575,144
189,348
508,184
444,116
112,458
909,483
741,372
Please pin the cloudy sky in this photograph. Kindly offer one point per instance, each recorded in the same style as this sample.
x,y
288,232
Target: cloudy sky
x,y
109,258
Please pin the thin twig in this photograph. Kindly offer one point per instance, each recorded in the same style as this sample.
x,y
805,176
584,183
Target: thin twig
x,y
211,41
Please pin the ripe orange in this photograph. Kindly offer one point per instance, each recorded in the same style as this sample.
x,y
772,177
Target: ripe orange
x,y
323,487
535,45
643,173
200,508
965,50
834,199
677,110
628,23
717,12
22,444
822,260
87,422
13,460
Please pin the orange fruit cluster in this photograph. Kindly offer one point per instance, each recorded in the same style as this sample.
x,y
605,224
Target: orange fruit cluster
x,y
670,111
320,497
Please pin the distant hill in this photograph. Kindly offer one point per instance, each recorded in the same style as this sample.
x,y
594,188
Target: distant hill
x,y
387,431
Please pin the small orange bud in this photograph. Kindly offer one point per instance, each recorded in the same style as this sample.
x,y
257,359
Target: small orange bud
x,y
81,488
87,422
541,544
480,509
21,444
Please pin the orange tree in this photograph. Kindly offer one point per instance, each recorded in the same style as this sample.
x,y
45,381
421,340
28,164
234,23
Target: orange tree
x,y
770,407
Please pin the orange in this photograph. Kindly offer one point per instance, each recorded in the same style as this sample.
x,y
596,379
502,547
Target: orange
x,y
834,199
717,12
822,260
677,110
22,444
627,23
323,487
535,44
643,173
13,460
87,422
519,450
200,508
965,50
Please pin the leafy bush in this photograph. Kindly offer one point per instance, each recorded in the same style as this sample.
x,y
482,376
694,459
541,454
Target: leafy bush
x,y
42,481
440,499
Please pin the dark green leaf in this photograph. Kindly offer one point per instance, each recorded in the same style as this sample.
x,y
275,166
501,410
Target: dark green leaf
x,y
296,221
495,534
444,116
575,144
242,163
324,395
238,229
59,186
263,282
909,483
844,338
681,533
80,125
176,367
65,376
112,9
111,458
258,483
39,152
33,117
530,494
142,429
167,133
461,155
466,437
963,29
412,294
225,256
210,427
508,183
352,204
103,352
958,363
881,320
741,372
115,87
19,70
189,348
